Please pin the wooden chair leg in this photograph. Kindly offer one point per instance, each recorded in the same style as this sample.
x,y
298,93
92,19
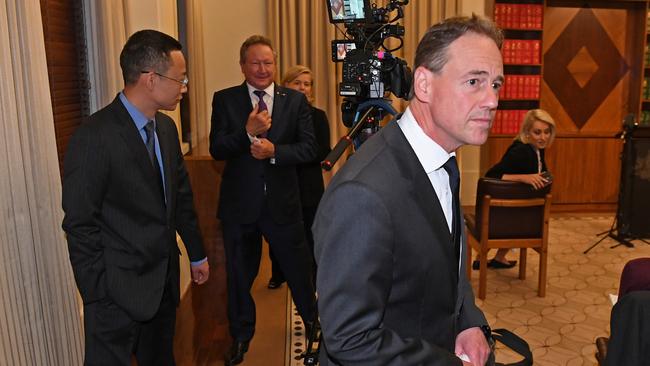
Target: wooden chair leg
x,y
482,274
541,289
522,263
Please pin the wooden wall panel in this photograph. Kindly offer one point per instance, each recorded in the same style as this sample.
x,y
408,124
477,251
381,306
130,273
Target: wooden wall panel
x,y
586,171
209,300
592,55
588,67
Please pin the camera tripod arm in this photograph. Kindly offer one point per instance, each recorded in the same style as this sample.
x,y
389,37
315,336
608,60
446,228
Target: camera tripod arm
x,y
345,141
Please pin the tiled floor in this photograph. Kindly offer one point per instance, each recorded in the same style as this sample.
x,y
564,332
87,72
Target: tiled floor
x,y
562,327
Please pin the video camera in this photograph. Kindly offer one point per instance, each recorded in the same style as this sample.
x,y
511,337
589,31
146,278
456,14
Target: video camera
x,y
370,71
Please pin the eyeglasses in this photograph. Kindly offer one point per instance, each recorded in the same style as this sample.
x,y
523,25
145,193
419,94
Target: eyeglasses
x,y
183,82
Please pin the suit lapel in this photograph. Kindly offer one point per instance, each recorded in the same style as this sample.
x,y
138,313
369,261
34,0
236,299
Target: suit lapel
x,y
134,142
428,202
164,137
242,102
426,197
279,101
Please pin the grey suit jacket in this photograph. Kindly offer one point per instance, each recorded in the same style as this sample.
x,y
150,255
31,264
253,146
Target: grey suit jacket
x,y
390,291
121,234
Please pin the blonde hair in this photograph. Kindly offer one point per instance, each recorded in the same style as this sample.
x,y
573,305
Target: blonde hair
x,y
529,119
293,72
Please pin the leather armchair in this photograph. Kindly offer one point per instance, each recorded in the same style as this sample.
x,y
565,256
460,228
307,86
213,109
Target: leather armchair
x,y
509,215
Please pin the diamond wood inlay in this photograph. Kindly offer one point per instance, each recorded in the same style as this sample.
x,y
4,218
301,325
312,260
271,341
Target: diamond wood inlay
x,y
583,66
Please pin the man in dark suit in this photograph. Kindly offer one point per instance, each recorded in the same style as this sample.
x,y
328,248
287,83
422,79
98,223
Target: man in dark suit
x,y
259,192
391,278
125,195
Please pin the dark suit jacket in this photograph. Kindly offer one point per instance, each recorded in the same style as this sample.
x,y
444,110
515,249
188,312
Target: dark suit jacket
x,y
310,175
389,284
629,343
520,158
121,235
244,177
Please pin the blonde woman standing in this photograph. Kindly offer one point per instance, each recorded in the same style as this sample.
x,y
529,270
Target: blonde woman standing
x,y
310,177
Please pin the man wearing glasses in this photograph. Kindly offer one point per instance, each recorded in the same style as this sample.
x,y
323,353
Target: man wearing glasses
x,y
125,195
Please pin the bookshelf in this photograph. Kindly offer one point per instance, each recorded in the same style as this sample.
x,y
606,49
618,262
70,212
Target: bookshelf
x,y
594,69
522,23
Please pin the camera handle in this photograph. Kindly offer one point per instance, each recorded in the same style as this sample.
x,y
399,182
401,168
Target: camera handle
x,y
373,106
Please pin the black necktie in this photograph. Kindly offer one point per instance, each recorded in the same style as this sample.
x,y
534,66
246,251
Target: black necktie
x,y
261,105
454,183
149,128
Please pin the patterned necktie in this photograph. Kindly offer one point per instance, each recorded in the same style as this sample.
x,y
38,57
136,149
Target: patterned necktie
x,y
261,104
451,166
149,128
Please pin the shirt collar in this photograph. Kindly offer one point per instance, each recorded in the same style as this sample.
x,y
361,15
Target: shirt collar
x,y
431,155
138,118
269,89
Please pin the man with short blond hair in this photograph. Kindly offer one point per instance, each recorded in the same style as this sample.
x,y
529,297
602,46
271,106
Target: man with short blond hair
x,y
262,131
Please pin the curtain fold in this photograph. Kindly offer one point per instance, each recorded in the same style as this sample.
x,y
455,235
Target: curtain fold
x,y
105,22
39,304
200,117
301,34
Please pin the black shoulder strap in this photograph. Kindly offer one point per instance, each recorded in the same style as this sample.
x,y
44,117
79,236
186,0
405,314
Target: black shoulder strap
x,y
515,343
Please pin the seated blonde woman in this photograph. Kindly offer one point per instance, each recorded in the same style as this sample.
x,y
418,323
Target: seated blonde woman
x,y
524,162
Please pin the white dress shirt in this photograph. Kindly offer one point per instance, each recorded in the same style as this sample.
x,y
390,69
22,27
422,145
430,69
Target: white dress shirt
x,y
432,157
268,97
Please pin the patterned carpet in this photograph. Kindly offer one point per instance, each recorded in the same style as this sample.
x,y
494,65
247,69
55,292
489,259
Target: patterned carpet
x,y
562,327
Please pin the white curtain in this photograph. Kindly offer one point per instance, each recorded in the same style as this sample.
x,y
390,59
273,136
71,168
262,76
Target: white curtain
x,y
199,110
105,22
40,314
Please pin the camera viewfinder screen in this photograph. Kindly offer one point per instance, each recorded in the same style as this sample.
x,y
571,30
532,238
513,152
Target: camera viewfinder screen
x,y
340,49
342,11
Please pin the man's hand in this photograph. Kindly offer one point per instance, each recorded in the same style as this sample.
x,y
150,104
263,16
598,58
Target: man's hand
x,y
472,342
258,122
262,149
200,273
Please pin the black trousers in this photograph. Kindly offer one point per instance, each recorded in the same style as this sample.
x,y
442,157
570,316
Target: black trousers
x,y
243,246
112,337
308,216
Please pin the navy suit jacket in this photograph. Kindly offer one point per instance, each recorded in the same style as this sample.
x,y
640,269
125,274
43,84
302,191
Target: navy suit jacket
x,y
246,180
390,290
121,234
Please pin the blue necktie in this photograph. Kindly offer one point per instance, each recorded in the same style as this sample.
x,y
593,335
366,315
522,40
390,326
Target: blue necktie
x,y
149,128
